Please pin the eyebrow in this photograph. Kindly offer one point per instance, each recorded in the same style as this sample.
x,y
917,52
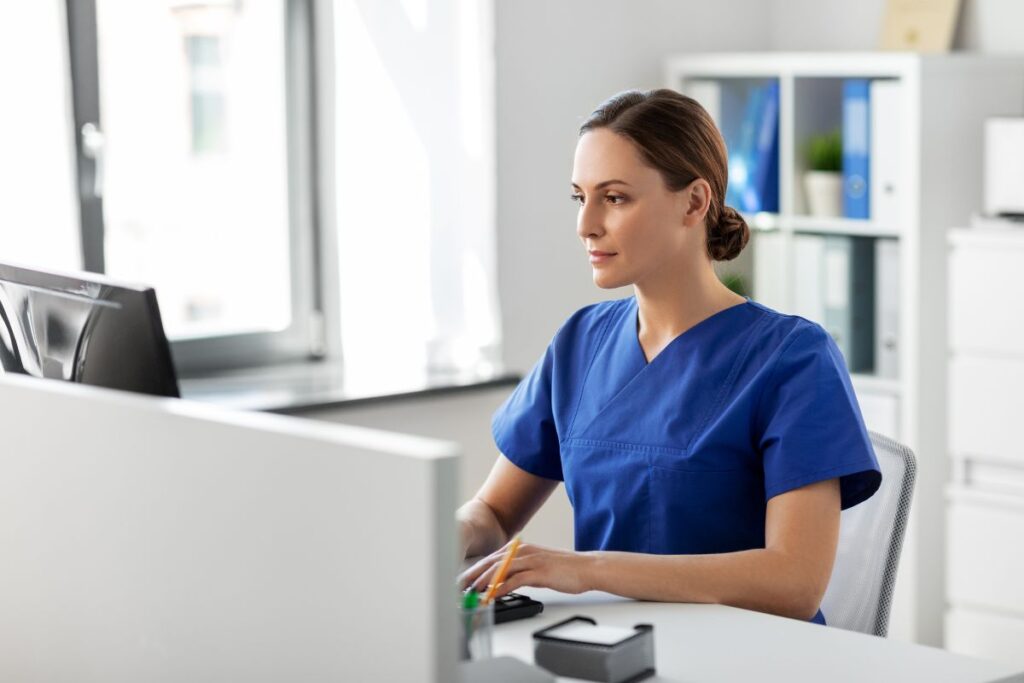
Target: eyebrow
x,y
605,183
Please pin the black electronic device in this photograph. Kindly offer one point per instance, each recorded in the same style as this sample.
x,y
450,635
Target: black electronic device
x,y
83,328
515,606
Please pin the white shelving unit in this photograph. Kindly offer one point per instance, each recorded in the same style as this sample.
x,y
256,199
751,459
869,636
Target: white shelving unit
x,y
944,100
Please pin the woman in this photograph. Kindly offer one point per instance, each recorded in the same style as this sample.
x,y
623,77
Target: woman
x,y
707,443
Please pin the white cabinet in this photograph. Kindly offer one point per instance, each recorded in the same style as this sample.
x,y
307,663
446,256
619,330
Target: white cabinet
x,y
985,634
986,308
985,550
986,397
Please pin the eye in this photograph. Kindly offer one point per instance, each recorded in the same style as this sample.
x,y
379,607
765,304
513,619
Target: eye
x,y
576,197
613,197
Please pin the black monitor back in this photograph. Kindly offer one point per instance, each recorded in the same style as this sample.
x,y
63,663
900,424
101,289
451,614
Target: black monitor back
x,y
83,328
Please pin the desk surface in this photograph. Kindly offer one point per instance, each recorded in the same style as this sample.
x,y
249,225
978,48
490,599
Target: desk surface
x,y
717,643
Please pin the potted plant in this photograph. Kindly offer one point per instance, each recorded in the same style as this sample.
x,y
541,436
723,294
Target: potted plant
x,y
823,181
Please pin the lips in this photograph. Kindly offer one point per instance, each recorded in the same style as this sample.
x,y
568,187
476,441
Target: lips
x,y
600,256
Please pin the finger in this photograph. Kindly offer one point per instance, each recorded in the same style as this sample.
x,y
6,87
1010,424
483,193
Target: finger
x,y
470,575
477,569
525,578
483,582
519,564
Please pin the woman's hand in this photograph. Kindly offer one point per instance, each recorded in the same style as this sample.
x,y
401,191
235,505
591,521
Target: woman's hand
x,y
561,570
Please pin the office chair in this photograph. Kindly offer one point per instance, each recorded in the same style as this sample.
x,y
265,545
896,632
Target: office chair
x,y
859,594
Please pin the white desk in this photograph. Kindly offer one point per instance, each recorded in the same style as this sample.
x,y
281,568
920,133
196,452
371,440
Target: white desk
x,y
716,643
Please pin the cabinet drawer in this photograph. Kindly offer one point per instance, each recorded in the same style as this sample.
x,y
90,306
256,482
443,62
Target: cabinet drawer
x,y
985,396
977,633
985,310
985,563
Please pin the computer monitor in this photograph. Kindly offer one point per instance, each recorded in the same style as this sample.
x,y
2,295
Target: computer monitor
x,y
83,328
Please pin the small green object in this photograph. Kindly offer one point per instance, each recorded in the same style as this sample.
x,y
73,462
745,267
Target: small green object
x,y
471,600
825,152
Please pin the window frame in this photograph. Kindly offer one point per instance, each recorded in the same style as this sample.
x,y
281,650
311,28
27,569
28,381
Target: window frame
x,y
306,338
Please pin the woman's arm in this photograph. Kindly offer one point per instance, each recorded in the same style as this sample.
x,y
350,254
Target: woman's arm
x,y
787,577
501,508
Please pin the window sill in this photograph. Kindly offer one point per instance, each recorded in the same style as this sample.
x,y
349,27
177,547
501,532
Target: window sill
x,y
302,387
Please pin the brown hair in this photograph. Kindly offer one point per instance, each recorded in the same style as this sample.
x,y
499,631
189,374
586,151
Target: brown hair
x,y
678,138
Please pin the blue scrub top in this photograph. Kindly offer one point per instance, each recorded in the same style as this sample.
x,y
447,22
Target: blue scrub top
x,y
680,455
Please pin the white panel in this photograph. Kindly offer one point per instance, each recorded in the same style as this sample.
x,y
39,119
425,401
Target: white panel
x,y
984,300
986,555
769,270
881,412
985,396
161,540
1004,166
985,635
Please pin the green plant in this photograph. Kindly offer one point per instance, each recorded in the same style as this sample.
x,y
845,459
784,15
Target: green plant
x,y
825,152
735,282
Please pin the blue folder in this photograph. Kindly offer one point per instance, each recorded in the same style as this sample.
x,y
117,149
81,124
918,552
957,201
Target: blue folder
x,y
754,153
856,146
766,168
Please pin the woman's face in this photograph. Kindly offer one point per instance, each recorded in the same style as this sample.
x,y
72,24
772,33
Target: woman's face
x,y
632,226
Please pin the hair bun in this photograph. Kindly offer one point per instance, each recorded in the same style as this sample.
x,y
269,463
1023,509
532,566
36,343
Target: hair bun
x,y
727,239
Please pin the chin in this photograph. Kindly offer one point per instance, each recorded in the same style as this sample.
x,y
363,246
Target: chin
x,y
606,281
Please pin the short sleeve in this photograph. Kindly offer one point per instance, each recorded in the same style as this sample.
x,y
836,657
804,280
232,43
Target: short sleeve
x,y
524,426
812,425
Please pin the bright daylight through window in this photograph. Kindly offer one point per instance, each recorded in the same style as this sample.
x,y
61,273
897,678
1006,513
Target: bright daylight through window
x,y
195,162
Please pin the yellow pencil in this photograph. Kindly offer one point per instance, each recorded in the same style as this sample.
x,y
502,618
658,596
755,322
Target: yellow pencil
x,y
502,570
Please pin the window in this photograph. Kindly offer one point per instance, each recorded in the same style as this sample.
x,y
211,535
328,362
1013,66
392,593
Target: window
x,y
196,144
37,176
207,85
267,173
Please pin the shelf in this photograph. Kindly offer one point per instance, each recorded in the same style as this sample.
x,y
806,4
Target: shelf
x,y
841,226
800,64
1010,237
762,221
819,225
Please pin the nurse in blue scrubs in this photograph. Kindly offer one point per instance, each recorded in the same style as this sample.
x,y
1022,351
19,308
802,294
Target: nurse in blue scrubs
x,y
707,443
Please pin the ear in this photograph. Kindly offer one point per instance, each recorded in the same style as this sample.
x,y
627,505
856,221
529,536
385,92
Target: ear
x,y
697,196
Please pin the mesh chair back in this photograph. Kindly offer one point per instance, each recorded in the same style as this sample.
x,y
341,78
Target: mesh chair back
x,y
859,593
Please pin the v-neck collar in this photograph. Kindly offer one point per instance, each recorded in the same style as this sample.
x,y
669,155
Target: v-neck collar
x,y
634,318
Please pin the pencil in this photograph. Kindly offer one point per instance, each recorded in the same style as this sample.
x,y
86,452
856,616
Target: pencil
x,y
502,570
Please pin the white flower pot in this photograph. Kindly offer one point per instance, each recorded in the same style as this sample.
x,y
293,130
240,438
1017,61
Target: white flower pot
x,y
824,191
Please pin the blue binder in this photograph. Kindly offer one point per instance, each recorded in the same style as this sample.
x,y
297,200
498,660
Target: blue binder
x,y
753,153
856,146
766,167
741,143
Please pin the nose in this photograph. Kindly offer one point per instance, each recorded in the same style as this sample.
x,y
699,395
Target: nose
x,y
589,222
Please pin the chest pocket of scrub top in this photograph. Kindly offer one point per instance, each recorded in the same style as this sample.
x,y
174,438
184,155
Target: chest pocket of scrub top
x,y
624,497
701,510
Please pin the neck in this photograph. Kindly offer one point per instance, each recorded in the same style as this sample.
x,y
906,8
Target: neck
x,y
671,304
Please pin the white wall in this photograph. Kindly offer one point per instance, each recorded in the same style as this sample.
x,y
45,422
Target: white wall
x,y
465,418
556,61
985,25
826,24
